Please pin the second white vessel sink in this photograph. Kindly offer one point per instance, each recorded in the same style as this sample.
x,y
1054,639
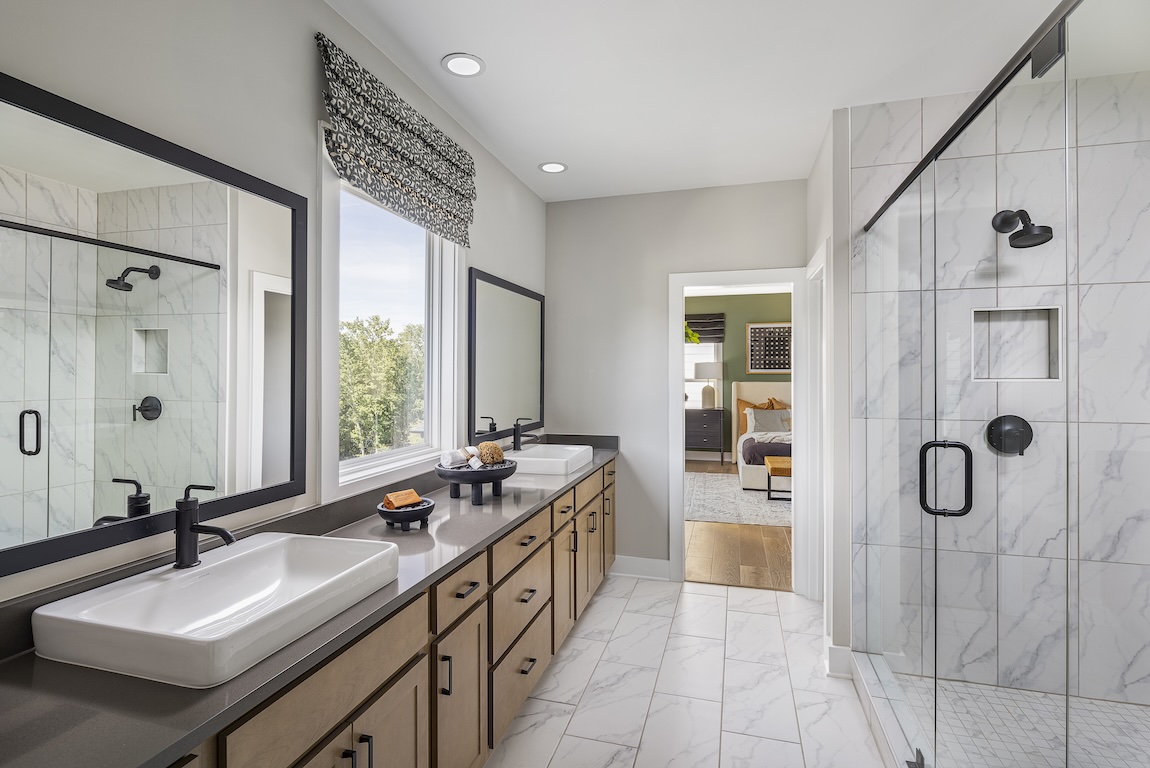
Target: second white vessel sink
x,y
549,459
201,626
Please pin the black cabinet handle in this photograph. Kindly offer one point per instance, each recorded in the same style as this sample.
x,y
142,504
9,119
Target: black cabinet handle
x,y
450,670
594,523
566,509
968,479
574,541
352,755
607,504
471,587
611,473
370,742
528,541
23,441
530,667
531,593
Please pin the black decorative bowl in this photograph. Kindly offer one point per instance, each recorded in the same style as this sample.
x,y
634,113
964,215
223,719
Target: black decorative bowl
x,y
489,473
405,516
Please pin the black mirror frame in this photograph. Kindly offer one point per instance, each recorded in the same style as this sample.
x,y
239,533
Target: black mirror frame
x,y
473,277
51,550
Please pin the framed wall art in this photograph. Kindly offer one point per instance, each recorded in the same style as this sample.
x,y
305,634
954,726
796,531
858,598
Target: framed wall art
x,y
768,347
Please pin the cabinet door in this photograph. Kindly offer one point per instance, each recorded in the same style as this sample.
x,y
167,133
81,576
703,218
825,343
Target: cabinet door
x,y
608,529
595,546
461,694
337,753
582,548
562,586
393,731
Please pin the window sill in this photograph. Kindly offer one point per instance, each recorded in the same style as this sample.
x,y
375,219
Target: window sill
x,y
364,476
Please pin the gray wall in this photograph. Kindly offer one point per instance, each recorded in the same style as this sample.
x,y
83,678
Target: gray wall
x,y
238,82
608,261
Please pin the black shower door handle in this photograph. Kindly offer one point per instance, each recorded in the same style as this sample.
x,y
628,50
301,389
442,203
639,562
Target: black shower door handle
x,y
968,484
23,439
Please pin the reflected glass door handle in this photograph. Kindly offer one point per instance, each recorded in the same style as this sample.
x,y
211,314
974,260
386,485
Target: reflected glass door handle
x,y
23,437
968,484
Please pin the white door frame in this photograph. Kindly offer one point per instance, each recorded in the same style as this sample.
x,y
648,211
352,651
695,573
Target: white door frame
x,y
809,581
805,528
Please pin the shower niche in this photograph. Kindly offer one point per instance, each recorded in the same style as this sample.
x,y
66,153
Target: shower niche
x,y
1017,344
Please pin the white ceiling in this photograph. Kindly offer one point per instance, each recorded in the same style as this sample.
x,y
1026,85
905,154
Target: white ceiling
x,y
654,95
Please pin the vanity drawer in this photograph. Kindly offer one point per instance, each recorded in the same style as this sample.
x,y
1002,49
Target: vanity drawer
x,y
453,596
518,545
514,677
609,474
515,603
287,728
563,510
587,490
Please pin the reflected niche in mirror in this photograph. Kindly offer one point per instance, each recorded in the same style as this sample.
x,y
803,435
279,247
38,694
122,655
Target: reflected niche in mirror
x,y
505,352
145,333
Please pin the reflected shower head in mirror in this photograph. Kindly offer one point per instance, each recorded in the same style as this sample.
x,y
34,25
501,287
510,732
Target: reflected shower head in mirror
x,y
1029,236
121,284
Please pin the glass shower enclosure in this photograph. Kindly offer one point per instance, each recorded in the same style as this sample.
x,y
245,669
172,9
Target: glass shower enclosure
x,y
1001,416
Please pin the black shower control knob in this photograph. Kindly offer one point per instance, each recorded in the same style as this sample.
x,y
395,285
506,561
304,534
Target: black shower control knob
x,y
1009,435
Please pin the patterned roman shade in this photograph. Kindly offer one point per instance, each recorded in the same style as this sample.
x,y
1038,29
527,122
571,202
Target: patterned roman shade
x,y
382,146
709,327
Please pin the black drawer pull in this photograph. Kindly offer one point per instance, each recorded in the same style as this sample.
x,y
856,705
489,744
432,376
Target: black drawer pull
x,y
471,587
450,670
531,593
352,755
611,473
530,667
528,541
370,742
566,509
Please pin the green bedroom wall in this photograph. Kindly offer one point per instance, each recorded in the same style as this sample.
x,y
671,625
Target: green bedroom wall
x,y
740,310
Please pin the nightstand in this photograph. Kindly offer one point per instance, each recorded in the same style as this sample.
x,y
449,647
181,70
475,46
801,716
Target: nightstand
x,y
705,430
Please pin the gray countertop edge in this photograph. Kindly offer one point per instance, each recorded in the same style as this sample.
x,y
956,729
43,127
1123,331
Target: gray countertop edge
x,y
30,684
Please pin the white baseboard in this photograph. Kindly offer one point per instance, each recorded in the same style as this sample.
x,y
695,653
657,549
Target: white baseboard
x,y
641,567
839,661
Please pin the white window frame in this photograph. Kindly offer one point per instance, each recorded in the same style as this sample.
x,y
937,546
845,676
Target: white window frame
x,y
442,418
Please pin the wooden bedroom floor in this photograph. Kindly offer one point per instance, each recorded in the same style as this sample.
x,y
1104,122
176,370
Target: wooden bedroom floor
x,y
739,555
726,468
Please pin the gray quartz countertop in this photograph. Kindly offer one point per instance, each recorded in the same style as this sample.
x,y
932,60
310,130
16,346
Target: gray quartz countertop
x,y
54,714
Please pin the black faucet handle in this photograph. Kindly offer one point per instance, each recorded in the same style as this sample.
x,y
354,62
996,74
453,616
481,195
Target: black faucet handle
x,y
523,418
190,488
139,488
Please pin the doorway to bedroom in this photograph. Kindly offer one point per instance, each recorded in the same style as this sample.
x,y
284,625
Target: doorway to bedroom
x,y
737,492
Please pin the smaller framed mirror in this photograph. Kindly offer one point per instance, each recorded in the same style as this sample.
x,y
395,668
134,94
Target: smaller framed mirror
x,y
505,357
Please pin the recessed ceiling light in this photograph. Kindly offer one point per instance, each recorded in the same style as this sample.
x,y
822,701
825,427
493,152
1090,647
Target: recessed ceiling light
x,y
552,167
463,64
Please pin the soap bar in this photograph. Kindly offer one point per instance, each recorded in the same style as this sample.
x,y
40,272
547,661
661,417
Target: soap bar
x,y
401,499
475,463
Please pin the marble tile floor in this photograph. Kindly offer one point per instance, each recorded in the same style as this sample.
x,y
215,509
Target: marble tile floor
x,y
990,726
668,675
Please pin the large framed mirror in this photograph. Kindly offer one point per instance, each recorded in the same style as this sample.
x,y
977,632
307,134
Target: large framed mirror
x,y
152,331
505,357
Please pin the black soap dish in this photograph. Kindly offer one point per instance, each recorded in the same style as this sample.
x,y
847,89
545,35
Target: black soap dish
x,y
405,516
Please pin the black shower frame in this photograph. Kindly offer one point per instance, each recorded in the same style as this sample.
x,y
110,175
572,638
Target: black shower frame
x,y
38,101
984,99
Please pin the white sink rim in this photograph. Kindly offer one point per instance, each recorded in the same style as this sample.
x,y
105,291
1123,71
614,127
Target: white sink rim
x,y
564,459
88,630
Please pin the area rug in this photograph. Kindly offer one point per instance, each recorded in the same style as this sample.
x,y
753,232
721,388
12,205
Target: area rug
x,y
718,498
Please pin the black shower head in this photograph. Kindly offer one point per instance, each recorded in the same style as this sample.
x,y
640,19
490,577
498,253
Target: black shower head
x,y
1029,236
121,284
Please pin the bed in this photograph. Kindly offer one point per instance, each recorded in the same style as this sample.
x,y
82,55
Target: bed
x,y
754,476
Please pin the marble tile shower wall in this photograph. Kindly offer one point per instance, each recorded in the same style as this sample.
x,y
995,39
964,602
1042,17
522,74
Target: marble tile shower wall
x,y
187,305
1081,491
47,357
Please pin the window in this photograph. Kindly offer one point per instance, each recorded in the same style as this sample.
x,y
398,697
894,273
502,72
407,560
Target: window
x,y
388,373
699,353
383,308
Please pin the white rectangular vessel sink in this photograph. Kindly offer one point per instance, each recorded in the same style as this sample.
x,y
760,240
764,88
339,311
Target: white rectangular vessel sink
x,y
201,626
547,459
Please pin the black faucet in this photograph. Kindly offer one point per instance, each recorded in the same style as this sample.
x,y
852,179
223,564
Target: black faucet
x,y
139,503
517,439
188,526
492,427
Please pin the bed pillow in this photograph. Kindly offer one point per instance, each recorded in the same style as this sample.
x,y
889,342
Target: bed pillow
x,y
741,409
768,420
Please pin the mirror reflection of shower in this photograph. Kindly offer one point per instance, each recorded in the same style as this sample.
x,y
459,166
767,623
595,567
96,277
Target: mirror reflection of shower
x,y
121,283
1029,236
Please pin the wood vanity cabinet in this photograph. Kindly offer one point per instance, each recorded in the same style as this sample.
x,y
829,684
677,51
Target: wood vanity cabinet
x,y
563,558
609,518
588,553
461,669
